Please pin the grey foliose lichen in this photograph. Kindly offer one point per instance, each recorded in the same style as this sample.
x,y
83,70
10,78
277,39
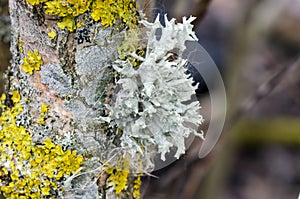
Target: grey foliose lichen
x,y
148,108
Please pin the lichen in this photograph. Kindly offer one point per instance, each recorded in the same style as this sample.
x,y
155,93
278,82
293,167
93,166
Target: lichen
x,y
108,11
20,46
35,2
118,176
67,22
132,44
137,188
122,178
44,110
32,62
148,106
68,10
123,90
52,34
28,169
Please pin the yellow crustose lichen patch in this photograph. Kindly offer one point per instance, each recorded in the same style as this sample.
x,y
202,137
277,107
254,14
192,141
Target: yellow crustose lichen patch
x,y
108,11
68,10
52,34
35,2
32,62
28,170
20,45
111,10
136,188
44,110
118,176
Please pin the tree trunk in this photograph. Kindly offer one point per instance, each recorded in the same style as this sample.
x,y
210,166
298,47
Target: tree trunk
x,y
87,107
67,83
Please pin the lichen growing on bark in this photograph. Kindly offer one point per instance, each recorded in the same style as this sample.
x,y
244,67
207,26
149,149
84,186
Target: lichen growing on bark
x,y
108,11
54,77
29,170
32,62
98,86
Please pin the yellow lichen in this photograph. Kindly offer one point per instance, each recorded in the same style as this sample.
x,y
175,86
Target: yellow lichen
x,y
20,44
15,97
131,44
67,8
52,34
35,2
118,176
67,22
137,188
32,62
44,110
28,170
80,24
110,10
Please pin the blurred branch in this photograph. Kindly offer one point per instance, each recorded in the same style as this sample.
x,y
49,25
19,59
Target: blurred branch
x,y
201,10
253,29
267,130
262,91
189,7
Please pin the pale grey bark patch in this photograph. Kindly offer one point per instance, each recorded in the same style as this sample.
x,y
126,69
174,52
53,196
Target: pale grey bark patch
x,y
80,110
102,35
91,59
89,192
91,63
54,77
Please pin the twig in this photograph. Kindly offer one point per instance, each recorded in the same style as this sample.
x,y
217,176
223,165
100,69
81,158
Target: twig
x,y
262,91
201,10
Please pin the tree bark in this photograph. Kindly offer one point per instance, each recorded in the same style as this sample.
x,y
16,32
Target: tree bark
x,y
69,83
94,97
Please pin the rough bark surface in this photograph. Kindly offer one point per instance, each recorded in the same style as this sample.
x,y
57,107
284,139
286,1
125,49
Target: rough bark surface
x,y
69,82
105,100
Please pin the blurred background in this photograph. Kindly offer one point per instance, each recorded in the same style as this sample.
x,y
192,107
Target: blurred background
x,y
4,39
256,46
